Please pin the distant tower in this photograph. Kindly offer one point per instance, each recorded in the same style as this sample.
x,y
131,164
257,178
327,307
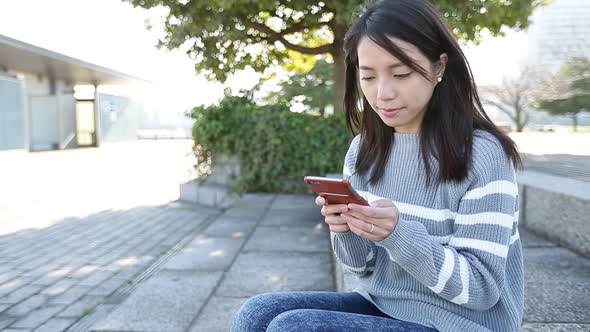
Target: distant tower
x,y
559,32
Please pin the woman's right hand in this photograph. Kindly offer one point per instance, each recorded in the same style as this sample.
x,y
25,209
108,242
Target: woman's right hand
x,y
331,215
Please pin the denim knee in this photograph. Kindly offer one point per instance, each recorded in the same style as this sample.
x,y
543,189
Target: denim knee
x,y
292,320
253,315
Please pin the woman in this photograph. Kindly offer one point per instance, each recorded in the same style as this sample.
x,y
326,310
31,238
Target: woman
x,y
438,247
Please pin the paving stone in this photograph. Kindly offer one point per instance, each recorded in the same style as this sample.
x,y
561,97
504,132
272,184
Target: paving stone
x,y
4,307
96,278
307,239
206,254
230,227
59,287
81,307
249,214
70,296
21,294
295,202
84,271
293,217
256,201
261,272
99,313
55,325
166,302
41,271
105,259
37,317
543,327
108,287
6,276
14,284
6,321
28,305
217,314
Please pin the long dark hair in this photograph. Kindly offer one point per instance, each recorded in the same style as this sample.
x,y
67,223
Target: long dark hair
x,y
454,110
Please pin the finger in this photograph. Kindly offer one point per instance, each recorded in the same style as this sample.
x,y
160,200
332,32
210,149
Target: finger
x,y
374,211
382,203
358,223
362,233
320,201
334,220
363,225
339,228
364,218
334,209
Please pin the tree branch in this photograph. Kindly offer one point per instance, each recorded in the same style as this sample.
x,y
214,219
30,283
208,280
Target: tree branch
x,y
273,36
297,27
509,112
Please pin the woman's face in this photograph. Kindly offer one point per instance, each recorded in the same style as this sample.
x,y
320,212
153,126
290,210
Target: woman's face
x,y
398,94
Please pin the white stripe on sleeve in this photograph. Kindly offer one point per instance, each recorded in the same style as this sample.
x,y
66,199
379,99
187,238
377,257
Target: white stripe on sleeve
x,y
446,271
464,272
489,218
495,187
493,248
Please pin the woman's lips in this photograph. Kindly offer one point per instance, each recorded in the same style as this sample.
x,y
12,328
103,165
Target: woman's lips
x,y
390,112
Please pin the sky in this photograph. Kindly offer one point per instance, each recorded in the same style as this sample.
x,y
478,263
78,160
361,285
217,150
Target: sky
x,y
112,33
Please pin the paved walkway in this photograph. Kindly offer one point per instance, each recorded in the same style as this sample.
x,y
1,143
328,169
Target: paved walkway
x,y
263,243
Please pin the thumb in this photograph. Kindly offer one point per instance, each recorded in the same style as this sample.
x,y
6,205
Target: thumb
x,y
382,203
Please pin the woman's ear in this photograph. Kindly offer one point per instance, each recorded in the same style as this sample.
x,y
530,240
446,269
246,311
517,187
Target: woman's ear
x,y
441,65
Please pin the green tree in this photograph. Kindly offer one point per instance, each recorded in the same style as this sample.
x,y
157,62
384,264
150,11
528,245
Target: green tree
x,y
567,92
225,36
314,88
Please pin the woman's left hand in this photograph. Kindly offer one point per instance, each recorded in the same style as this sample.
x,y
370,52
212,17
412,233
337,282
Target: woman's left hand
x,y
373,223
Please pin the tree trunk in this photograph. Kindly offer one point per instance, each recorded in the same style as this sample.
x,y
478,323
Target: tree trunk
x,y
575,119
339,77
518,120
339,74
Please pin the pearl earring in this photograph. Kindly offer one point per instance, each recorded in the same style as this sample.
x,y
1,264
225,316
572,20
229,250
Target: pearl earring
x,y
439,79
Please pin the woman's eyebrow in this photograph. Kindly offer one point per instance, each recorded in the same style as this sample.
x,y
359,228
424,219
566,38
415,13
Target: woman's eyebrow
x,y
395,65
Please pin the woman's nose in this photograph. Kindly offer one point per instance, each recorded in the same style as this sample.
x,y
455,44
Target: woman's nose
x,y
386,90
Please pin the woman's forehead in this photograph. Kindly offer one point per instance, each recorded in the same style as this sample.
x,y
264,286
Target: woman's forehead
x,y
370,52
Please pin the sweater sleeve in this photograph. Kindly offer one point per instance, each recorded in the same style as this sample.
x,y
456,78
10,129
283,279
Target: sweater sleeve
x,y
356,254
470,269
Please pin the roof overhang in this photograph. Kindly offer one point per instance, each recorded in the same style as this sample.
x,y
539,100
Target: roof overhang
x,y
18,56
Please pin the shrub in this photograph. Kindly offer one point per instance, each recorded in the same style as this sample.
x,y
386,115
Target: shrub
x,y
275,147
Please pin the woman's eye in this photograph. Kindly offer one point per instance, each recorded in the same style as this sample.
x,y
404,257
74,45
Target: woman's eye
x,y
367,78
402,75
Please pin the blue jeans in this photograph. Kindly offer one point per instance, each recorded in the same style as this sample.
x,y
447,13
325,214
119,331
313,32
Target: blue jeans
x,y
315,311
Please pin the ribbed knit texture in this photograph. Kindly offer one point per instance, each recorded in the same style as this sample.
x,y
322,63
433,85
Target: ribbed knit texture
x,y
454,260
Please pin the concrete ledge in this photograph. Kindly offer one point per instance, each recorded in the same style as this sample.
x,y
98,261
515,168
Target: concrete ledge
x,y
557,208
206,193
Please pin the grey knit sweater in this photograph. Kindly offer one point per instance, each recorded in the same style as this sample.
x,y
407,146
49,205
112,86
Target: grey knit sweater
x,y
454,260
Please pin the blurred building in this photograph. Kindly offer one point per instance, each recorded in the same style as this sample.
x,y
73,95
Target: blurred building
x,y
51,101
559,32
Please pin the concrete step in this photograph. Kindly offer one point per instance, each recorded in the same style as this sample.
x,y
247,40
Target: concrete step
x,y
556,208
207,193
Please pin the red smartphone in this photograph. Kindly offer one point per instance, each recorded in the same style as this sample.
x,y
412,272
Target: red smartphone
x,y
335,191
